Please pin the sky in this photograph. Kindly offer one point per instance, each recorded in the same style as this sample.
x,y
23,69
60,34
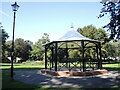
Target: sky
x,y
33,19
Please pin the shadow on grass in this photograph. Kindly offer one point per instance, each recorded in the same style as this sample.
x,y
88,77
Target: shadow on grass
x,y
110,62
112,68
23,69
10,65
8,83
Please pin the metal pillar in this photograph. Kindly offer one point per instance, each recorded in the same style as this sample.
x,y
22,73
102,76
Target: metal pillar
x,y
56,47
100,58
45,57
68,62
97,47
83,59
52,55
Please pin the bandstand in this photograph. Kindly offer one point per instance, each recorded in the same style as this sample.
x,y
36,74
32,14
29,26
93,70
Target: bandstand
x,y
73,52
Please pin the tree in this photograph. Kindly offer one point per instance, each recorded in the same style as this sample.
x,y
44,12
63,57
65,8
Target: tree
x,y
3,37
114,49
92,32
112,7
38,49
22,48
105,50
9,48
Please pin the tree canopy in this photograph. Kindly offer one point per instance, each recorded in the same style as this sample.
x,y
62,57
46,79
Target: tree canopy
x,y
22,48
112,8
92,32
3,37
37,52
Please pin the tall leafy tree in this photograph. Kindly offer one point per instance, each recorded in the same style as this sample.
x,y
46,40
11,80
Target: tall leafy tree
x,y
112,8
114,49
22,48
92,32
9,48
38,49
3,37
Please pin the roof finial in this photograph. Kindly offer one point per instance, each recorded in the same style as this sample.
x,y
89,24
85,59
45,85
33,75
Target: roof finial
x,y
72,25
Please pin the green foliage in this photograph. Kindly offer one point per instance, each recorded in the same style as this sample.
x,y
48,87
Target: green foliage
x,y
34,62
74,54
114,50
22,48
63,52
92,32
112,7
3,37
9,47
37,52
105,50
111,49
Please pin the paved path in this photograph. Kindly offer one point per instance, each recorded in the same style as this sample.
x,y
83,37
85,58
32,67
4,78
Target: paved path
x,y
99,81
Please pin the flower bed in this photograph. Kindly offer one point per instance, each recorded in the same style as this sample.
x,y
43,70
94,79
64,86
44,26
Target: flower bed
x,y
66,73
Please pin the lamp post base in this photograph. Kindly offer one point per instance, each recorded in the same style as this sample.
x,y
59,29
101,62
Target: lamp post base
x,y
12,72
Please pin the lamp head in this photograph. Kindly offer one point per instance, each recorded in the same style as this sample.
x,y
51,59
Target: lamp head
x,y
15,6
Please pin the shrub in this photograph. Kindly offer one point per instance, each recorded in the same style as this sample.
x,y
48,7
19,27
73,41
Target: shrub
x,y
34,62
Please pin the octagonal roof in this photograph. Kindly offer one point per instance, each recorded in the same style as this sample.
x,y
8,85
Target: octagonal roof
x,y
72,34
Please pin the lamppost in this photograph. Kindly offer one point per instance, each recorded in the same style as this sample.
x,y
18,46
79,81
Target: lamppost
x,y
14,8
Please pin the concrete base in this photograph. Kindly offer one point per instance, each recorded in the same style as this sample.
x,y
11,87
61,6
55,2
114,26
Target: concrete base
x,y
66,73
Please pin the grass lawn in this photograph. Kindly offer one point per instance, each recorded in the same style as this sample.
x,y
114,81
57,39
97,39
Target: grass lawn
x,y
115,66
21,66
36,66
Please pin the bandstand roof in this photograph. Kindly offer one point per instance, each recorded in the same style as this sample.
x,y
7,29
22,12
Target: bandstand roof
x,y
72,35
